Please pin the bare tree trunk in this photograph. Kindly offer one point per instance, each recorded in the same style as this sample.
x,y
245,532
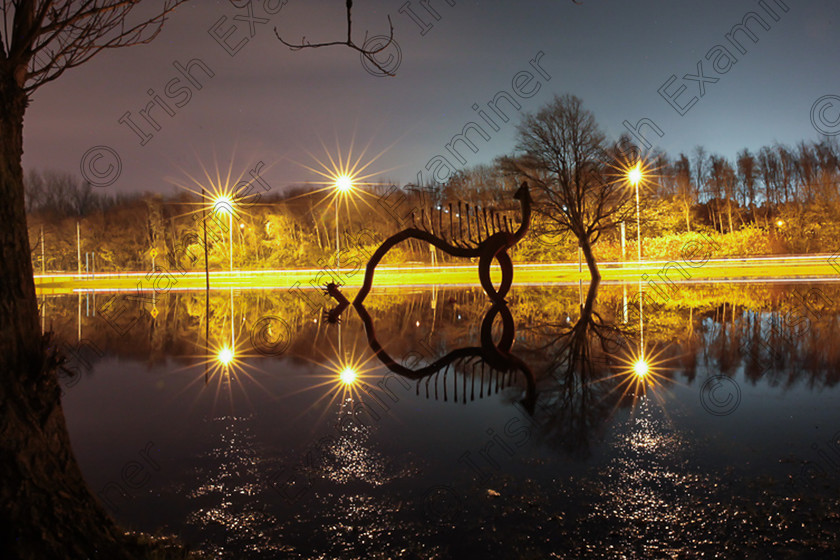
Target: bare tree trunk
x,y
46,509
729,210
318,233
586,247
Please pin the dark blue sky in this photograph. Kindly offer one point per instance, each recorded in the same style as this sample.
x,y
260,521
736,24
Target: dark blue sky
x,y
266,103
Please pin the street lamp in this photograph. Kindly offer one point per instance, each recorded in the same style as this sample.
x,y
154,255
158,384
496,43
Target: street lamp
x,y
224,205
635,175
343,185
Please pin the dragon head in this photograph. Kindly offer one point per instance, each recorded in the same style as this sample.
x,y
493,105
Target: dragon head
x,y
523,193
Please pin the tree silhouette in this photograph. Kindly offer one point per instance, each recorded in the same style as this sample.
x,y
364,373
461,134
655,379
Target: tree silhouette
x,y
578,385
47,510
563,153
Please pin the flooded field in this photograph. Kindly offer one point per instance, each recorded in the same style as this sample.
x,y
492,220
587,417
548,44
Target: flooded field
x,y
572,422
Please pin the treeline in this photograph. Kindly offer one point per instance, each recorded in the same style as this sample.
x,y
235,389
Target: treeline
x,y
296,228
780,199
792,191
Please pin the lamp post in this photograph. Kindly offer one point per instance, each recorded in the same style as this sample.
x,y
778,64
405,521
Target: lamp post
x,y
623,243
242,259
78,249
224,204
343,184
206,262
634,177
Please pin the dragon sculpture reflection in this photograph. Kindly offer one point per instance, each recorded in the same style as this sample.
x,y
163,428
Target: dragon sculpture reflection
x,y
491,363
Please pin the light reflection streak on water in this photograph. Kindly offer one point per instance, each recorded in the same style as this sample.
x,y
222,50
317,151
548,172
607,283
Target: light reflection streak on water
x,y
226,508
234,504
653,498
350,456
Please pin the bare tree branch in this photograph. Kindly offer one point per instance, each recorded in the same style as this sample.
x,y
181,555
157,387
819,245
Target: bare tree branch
x,y
368,54
50,36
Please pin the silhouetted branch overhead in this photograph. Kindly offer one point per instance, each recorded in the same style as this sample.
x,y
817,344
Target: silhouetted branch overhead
x,y
49,36
369,54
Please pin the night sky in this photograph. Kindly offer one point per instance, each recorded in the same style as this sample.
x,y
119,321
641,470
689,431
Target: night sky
x,y
267,103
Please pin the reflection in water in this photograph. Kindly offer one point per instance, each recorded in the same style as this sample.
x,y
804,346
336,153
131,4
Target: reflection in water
x,y
646,487
589,368
651,499
349,456
640,368
224,508
225,356
502,365
348,375
758,328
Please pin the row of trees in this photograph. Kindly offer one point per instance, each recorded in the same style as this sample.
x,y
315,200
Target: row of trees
x,y
293,229
780,200
788,196
754,187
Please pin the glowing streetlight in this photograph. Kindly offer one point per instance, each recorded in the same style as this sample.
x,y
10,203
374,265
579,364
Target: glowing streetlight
x,y
343,184
224,205
780,223
635,175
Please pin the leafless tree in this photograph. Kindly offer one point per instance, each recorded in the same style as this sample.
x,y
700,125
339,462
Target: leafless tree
x,y
34,191
686,191
42,486
46,509
565,156
722,180
748,179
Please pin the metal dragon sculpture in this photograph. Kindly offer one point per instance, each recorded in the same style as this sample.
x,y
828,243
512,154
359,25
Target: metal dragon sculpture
x,y
499,236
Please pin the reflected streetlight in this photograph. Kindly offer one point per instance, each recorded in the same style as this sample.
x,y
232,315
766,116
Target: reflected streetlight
x,y
343,185
225,356
640,368
348,375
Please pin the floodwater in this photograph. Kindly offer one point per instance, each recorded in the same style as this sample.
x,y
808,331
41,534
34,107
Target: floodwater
x,y
568,424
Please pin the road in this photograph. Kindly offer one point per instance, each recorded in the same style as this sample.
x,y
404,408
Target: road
x,y
781,268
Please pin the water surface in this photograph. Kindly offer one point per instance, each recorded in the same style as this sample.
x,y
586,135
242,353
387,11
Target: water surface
x,y
728,447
